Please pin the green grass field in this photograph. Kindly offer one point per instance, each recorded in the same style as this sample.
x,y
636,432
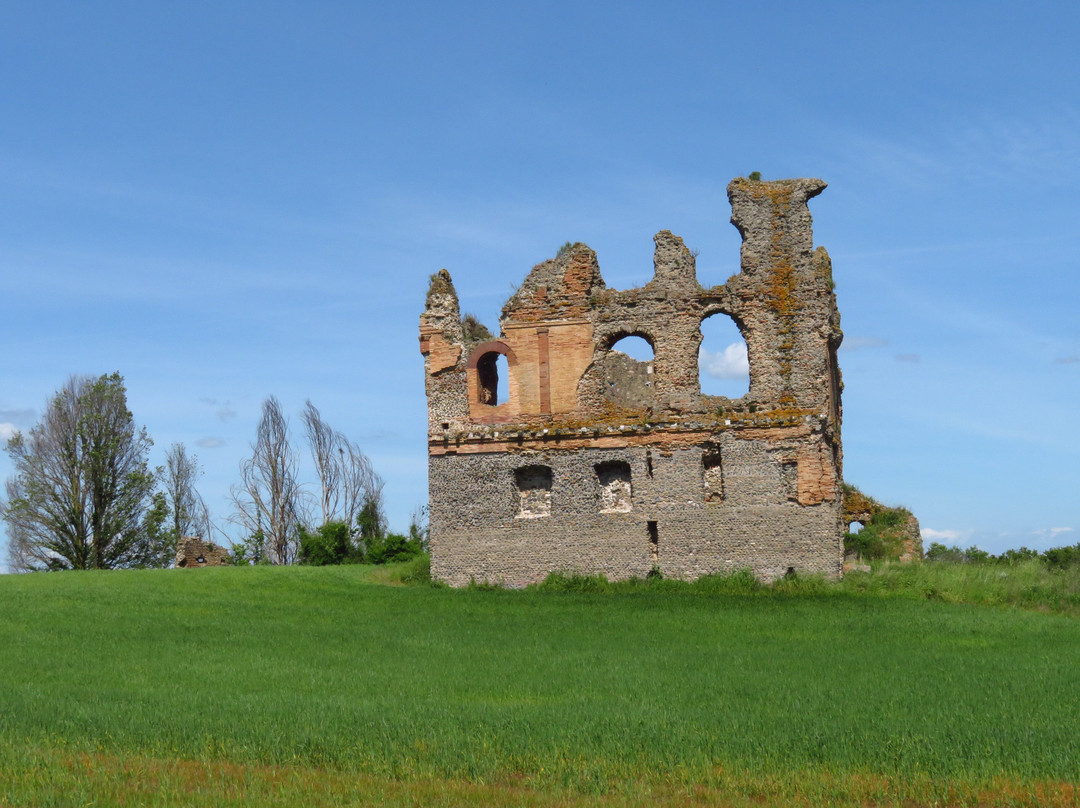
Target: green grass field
x,y
326,686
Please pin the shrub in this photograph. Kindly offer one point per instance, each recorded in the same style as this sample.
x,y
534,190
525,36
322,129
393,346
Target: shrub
x,y
330,544
881,537
473,329
1063,557
392,547
418,572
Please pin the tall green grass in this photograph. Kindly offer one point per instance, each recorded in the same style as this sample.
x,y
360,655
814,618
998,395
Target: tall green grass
x,y
657,683
1029,584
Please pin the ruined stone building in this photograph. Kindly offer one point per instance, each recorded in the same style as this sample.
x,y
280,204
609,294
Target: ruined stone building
x,y
191,551
598,463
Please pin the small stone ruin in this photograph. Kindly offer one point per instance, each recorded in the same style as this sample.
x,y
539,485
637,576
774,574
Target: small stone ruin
x,y
191,551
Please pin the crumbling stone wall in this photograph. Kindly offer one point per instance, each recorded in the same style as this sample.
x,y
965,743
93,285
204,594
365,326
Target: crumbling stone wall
x,y
191,551
905,535
597,463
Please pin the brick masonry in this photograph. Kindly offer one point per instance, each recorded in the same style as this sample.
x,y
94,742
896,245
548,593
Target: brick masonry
x,y
598,463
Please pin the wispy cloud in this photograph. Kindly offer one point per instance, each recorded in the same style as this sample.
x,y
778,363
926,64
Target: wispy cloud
x,y
210,442
1067,360
908,357
992,147
1052,532
944,535
7,430
730,363
224,408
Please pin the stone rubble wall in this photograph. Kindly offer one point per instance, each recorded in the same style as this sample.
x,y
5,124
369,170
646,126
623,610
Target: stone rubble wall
x,y
716,484
191,551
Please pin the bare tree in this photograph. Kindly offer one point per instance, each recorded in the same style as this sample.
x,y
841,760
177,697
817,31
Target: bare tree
x,y
187,512
268,500
347,482
81,481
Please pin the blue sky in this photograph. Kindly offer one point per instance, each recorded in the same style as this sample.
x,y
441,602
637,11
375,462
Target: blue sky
x,y
229,200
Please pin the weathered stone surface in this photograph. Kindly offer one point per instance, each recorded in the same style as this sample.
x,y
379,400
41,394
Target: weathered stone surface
x,y
600,463
191,551
857,507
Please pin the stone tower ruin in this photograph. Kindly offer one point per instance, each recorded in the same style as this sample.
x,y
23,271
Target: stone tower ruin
x,y
598,463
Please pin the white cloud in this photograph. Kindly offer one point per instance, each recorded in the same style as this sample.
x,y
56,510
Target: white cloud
x,y
944,535
7,430
730,363
1053,532
210,442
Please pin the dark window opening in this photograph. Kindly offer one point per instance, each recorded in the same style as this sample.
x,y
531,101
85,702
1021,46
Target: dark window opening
x,y
713,476
654,541
534,491
493,377
789,478
616,493
648,462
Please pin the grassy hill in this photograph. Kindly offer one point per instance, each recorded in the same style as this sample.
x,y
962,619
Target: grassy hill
x,y
313,686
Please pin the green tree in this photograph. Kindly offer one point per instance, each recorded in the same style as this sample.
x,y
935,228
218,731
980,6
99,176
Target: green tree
x,y
269,499
330,544
81,484
156,545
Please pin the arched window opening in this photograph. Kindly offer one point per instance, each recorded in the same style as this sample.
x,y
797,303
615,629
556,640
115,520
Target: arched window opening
x,y
534,491
854,528
616,494
723,366
713,476
628,373
493,376
635,347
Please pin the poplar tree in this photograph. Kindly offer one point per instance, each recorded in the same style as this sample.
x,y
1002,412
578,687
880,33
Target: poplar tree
x,y
81,483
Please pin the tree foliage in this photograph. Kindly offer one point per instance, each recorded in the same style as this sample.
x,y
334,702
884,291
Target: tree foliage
x,y
348,485
331,543
176,510
268,501
81,484
188,514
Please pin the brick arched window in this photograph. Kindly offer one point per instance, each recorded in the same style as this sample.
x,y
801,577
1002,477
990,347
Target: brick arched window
x,y
484,362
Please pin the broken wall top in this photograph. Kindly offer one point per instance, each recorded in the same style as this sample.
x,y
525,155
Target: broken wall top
x,y
557,331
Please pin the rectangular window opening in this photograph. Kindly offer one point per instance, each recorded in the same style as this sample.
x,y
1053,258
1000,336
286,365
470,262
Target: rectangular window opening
x,y
654,541
713,475
648,462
